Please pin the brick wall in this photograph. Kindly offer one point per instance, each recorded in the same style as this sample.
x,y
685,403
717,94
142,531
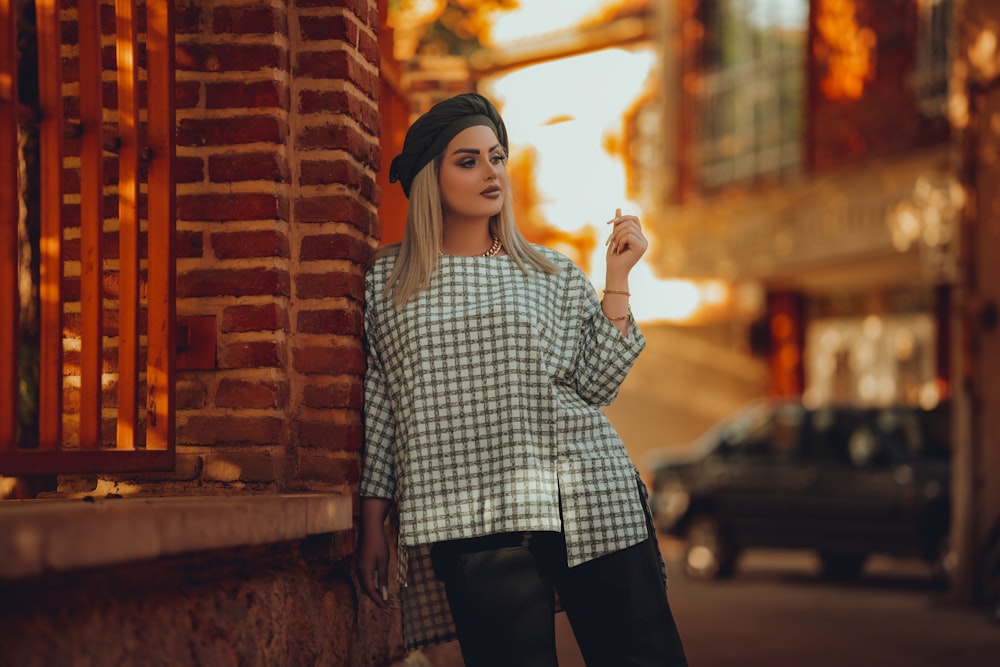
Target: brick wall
x,y
278,145
277,149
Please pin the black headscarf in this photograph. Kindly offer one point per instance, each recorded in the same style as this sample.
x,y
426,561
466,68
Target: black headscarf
x,y
430,134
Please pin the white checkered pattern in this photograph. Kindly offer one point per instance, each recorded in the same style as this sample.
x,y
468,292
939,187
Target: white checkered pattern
x,y
483,415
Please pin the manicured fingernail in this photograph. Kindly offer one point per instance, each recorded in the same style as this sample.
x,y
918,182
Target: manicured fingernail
x,y
385,592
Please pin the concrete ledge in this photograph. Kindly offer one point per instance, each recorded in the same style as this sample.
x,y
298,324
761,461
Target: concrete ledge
x,y
37,536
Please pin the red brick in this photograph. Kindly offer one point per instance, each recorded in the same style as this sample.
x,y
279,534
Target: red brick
x,y
334,322
341,102
337,136
231,206
265,317
250,20
189,169
235,130
328,27
335,395
334,246
338,65
187,94
191,394
236,282
259,354
325,172
189,244
256,166
239,94
187,19
345,437
329,359
335,208
201,57
332,284
245,394
262,243
368,47
229,429
331,469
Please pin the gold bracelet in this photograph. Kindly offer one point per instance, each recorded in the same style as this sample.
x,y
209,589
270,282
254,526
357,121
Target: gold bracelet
x,y
616,291
618,319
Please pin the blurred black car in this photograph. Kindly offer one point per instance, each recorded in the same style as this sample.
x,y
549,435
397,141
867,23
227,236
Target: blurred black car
x,y
843,481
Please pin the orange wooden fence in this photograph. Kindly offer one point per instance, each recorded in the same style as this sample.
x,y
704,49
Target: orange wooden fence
x,y
129,451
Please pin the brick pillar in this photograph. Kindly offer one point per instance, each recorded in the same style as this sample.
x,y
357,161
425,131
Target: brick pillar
x,y
277,147
335,149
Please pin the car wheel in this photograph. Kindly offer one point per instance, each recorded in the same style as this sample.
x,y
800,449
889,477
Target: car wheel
x,y
708,552
842,567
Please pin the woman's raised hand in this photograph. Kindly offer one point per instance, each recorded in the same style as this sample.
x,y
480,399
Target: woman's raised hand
x,y
626,244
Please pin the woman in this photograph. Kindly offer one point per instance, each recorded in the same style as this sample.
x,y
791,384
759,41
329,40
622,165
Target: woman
x,y
489,359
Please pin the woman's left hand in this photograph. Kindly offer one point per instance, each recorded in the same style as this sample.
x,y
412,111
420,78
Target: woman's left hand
x,y
626,243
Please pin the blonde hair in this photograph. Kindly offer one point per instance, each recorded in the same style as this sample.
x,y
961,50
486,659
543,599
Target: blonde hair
x,y
417,254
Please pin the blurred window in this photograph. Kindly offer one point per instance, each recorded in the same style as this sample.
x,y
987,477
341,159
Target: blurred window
x,y
933,58
753,89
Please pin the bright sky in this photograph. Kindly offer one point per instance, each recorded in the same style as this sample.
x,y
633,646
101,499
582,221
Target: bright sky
x,y
580,183
537,16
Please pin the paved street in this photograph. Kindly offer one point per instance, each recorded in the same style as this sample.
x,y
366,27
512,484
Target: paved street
x,y
777,613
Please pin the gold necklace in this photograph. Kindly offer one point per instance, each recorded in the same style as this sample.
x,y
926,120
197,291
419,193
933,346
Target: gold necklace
x,y
494,249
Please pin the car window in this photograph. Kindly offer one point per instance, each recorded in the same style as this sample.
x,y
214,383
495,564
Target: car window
x,y
896,435
772,434
830,436
899,435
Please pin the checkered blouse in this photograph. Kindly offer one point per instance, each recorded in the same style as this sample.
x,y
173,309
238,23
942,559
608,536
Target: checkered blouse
x,y
483,415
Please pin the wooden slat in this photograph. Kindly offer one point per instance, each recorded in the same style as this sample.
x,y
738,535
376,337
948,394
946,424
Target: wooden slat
x,y
128,224
91,222
51,191
9,302
160,405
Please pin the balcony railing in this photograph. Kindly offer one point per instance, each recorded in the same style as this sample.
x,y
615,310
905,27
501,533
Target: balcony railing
x,y
751,105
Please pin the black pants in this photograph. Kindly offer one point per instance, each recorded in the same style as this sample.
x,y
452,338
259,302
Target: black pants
x,y
500,589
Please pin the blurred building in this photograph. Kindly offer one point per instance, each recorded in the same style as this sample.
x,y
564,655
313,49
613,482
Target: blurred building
x,y
805,156
809,153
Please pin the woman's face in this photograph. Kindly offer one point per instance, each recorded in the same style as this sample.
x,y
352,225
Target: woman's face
x,y
473,175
